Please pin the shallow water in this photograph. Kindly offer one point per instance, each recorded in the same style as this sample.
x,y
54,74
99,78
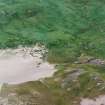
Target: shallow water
x,y
18,66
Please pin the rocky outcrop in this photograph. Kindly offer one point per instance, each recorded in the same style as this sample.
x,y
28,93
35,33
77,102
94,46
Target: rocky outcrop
x,y
97,62
83,59
72,76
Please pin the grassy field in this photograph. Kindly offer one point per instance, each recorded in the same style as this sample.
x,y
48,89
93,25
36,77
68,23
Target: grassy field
x,y
68,28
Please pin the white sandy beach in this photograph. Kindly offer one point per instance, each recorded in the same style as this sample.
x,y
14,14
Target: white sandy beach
x,y
97,101
17,66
